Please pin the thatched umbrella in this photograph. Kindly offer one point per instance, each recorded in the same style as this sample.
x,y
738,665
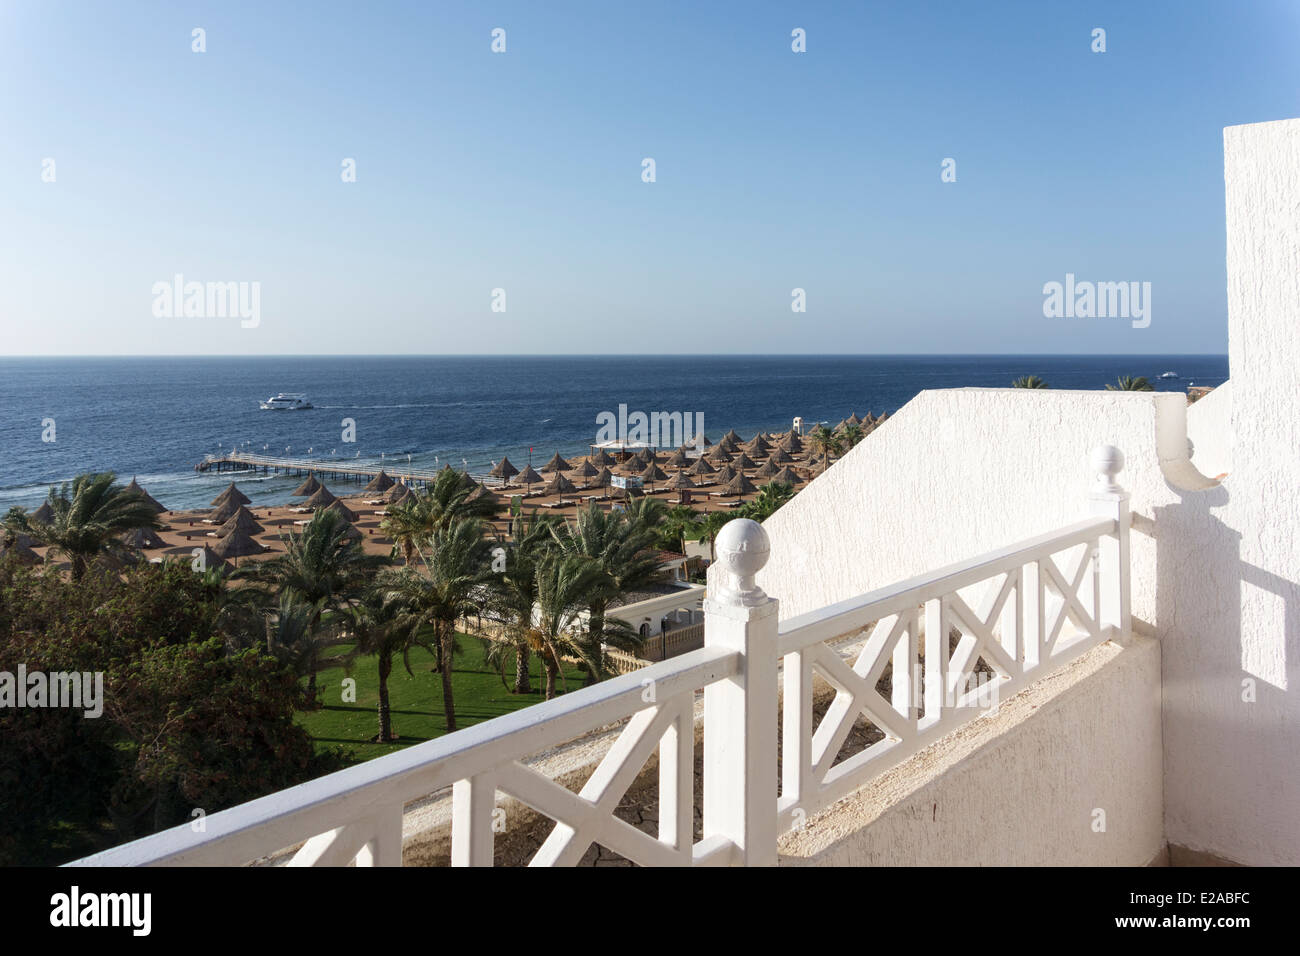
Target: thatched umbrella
x,y
602,457
678,459
19,547
700,469
143,539
780,456
231,492
853,419
480,490
145,496
681,481
212,560
786,475
322,499
398,493
237,544
242,520
743,462
726,473
739,485
720,455
559,484
653,473
223,512
700,441
602,478
504,470
840,425
339,507
756,446
792,443
466,481
766,470
308,487
528,476
587,471
381,482
44,514
731,437
556,464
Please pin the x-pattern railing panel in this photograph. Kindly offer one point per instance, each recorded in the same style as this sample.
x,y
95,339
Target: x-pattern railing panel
x,y
1012,614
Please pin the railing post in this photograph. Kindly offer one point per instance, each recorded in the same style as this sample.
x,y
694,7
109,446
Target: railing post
x,y
740,714
1108,499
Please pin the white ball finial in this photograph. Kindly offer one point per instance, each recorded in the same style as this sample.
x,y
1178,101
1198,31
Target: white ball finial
x,y
1107,462
742,548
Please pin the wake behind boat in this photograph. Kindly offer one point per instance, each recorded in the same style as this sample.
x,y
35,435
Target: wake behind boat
x,y
286,402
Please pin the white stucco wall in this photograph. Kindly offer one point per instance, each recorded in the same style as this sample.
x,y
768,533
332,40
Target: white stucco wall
x,y
1209,426
959,472
1067,772
1230,603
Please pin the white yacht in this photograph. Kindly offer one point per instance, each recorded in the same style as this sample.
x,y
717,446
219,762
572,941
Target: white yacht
x,y
1169,375
286,402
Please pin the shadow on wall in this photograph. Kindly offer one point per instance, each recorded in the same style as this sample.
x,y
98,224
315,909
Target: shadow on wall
x,y
1214,680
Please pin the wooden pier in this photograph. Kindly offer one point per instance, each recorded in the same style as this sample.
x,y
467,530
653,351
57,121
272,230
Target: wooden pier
x,y
333,470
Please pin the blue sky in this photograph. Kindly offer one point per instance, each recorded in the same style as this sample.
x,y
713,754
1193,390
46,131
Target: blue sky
x,y
522,171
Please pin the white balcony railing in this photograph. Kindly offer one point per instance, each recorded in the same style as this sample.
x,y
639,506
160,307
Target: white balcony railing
x,y
1023,611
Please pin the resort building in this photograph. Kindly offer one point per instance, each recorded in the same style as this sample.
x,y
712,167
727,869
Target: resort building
x,y
1011,626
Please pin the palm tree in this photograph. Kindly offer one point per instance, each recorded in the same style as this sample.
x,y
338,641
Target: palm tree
x,y
770,498
324,565
292,636
851,434
677,524
441,502
621,546
88,516
565,583
1127,383
826,442
456,563
513,596
1029,381
374,622
710,525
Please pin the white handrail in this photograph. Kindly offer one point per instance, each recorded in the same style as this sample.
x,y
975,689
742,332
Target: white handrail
x,y
282,819
1037,611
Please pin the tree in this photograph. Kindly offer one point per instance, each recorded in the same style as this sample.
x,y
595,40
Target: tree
x,y
825,442
1029,381
375,626
710,525
88,516
678,524
456,563
565,584
1127,383
621,546
444,500
513,596
325,566
851,434
770,498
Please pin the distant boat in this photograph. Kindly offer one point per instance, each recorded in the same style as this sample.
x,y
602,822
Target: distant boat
x,y
286,402
1169,375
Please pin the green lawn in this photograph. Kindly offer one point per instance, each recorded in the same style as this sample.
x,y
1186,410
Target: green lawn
x,y
416,702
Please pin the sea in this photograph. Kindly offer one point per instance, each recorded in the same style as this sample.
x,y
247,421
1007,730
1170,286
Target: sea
x,y
155,418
